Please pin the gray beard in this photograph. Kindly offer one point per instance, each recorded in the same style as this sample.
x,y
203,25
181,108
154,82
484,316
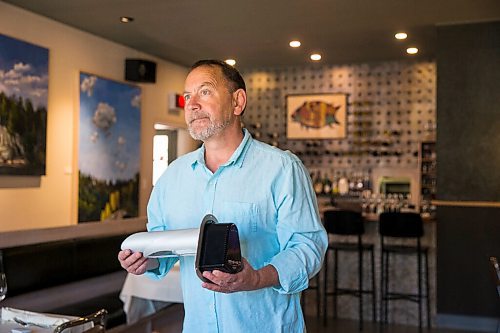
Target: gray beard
x,y
209,131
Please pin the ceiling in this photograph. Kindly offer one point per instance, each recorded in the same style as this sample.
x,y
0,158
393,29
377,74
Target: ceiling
x,y
256,33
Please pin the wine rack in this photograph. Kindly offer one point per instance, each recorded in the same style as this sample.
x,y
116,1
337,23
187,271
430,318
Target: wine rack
x,y
427,165
391,109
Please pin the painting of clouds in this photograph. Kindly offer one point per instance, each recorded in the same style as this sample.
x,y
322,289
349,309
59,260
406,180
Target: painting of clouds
x,y
109,144
23,107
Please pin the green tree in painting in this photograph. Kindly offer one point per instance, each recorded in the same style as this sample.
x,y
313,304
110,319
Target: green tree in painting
x,y
26,128
94,195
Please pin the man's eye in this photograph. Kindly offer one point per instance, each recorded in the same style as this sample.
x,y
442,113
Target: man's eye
x,y
187,97
205,92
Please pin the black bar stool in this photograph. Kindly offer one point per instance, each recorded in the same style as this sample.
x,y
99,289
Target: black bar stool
x,y
349,223
314,287
402,225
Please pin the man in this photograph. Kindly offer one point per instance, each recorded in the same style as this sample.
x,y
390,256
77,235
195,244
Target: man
x,y
266,192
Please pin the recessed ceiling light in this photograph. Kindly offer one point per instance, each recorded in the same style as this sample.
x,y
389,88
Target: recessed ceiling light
x,y
126,19
230,62
401,35
294,43
315,56
412,50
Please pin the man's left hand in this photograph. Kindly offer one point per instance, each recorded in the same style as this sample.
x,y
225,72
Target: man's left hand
x,y
246,280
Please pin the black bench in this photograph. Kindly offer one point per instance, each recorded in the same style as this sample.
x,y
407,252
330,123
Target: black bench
x,y
71,277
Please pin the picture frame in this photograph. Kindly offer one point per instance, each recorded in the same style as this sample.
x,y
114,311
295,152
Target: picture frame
x,y
108,149
24,84
316,116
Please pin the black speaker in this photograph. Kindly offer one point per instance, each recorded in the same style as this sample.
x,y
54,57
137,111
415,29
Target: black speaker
x,y
218,248
139,70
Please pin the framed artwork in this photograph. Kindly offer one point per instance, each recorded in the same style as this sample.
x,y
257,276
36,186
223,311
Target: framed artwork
x,y
316,116
24,78
109,149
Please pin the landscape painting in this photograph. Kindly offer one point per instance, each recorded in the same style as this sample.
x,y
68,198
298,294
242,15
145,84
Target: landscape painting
x,y
109,149
24,78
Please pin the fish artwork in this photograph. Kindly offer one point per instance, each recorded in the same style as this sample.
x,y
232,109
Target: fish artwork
x,y
316,114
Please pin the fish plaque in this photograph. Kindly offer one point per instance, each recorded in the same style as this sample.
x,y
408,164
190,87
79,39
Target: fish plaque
x,y
317,116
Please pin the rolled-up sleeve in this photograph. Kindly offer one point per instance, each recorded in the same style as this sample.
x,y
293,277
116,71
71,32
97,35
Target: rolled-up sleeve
x,y
301,235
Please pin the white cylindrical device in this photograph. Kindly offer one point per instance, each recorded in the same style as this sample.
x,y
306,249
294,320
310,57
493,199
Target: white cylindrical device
x,y
161,244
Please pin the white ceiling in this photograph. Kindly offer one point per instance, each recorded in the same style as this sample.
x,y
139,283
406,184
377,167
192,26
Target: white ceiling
x,y
256,32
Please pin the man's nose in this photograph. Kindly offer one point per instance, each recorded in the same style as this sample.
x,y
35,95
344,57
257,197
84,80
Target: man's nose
x,y
192,103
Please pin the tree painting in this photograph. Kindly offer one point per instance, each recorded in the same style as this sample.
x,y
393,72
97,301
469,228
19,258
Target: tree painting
x,y
109,144
23,107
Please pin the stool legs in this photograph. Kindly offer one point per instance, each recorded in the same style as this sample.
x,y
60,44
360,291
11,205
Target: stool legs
x,y
386,295
427,290
419,269
386,288
318,295
335,282
325,288
374,314
360,287
343,291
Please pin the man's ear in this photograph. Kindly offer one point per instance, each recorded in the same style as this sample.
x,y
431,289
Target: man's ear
x,y
239,101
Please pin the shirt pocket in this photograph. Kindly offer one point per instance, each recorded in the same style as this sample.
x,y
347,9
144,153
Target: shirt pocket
x,y
244,214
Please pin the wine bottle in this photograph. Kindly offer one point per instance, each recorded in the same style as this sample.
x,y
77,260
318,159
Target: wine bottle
x,y
318,184
343,185
335,186
327,185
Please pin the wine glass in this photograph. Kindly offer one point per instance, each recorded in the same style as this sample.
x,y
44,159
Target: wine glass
x,y
3,286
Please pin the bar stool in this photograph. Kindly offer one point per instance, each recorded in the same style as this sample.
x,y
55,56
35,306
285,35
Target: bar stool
x,y
402,226
314,287
348,223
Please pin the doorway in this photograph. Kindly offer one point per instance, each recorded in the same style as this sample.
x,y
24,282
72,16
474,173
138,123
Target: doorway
x,y
164,150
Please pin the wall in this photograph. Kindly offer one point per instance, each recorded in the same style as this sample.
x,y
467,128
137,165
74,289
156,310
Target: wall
x,y
468,176
51,200
391,109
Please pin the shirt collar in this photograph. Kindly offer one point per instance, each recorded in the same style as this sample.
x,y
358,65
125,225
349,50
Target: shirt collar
x,y
237,158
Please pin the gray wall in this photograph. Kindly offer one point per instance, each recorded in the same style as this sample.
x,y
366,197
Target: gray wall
x,y
468,151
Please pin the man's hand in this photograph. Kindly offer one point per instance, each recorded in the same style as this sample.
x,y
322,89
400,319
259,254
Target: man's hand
x,y
246,280
133,263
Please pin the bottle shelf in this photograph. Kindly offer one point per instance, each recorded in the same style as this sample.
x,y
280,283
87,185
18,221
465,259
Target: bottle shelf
x,y
428,174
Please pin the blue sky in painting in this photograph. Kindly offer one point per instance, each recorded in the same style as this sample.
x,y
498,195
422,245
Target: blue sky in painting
x,y
110,125
24,70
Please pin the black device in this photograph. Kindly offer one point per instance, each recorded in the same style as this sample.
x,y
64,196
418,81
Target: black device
x,y
218,247
140,70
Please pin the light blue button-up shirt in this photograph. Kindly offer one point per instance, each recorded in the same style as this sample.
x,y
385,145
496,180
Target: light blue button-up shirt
x,y
267,193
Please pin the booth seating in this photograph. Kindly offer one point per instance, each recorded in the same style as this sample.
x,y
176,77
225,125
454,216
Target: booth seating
x,y
74,277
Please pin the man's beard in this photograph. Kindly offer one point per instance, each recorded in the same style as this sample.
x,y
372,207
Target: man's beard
x,y
212,129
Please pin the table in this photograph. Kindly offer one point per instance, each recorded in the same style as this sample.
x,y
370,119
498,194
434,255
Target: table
x,y
167,289
140,294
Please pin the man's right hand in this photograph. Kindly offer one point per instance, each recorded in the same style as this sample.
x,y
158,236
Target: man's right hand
x,y
133,263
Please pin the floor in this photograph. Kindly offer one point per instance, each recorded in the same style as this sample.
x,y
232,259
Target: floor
x,y
171,322
315,325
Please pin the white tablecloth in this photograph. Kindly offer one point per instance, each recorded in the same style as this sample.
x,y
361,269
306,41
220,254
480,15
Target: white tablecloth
x,y
167,289
8,326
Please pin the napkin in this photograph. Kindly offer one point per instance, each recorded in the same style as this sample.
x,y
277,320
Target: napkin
x,y
33,318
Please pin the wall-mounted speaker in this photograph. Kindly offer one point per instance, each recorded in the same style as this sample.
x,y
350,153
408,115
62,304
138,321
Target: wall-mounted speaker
x,y
139,70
